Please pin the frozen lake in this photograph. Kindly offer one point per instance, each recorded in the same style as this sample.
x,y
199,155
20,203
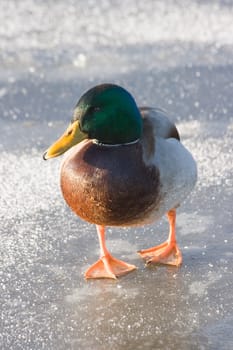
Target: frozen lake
x,y
177,55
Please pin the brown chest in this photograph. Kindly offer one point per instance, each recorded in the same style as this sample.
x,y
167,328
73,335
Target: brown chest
x,y
109,186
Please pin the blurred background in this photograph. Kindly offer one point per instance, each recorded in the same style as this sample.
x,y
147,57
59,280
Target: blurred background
x,y
176,55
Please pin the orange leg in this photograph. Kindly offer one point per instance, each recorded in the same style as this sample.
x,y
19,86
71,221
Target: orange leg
x,y
167,253
107,266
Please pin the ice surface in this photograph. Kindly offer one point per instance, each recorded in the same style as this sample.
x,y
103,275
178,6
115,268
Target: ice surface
x,y
176,55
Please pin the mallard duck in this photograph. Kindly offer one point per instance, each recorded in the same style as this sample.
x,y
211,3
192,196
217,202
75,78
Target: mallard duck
x,y
127,167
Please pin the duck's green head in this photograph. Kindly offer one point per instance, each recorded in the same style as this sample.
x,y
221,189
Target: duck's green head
x,y
106,113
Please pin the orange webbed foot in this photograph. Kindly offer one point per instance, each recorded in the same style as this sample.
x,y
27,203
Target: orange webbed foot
x,y
167,253
108,267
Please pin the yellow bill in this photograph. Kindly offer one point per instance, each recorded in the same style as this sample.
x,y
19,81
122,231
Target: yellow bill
x,y
71,137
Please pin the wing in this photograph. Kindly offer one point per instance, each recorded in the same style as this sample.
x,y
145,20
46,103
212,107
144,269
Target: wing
x,y
158,120
155,125
162,148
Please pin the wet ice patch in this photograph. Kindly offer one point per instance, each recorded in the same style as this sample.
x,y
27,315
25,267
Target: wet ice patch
x,y
167,19
200,288
189,129
220,334
50,30
212,149
189,224
28,184
103,290
122,246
